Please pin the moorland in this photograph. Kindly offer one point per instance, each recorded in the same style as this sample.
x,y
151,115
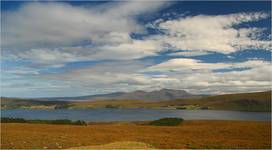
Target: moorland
x,y
201,134
257,101
189,134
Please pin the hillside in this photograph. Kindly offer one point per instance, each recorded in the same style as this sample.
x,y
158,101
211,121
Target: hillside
x,y
15,103
157,95
258,101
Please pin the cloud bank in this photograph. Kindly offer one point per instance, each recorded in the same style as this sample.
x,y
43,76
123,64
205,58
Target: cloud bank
x,y
44,39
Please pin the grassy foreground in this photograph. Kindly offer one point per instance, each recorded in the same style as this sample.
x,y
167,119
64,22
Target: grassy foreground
x,y
189,134
118,145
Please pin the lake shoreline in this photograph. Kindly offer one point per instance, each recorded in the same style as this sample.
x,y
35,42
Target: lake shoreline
x,y
84,123
107,114
152,108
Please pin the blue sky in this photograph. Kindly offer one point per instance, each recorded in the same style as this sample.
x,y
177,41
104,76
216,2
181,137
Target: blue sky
x,y
79,48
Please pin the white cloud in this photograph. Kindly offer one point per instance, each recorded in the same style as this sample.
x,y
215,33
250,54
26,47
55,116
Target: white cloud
x,y
39,25
182,65
213,33
197,76
192,75
45,33
186,64
131,50
53,58
53,34
57,57
56,27
189,53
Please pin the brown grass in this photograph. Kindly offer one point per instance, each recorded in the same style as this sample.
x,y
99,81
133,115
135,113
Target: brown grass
x,y
118,145
258,101
190,134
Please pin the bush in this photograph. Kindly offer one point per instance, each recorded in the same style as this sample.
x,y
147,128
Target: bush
x,y
167,122
204,108
79,122
62,106
111,106
12,120
60,121
182,107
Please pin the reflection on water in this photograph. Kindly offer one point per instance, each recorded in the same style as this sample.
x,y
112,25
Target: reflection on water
x,y
134,114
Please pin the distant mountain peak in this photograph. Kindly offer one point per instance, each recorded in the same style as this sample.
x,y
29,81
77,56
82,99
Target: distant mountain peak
x,y
155,95
165,89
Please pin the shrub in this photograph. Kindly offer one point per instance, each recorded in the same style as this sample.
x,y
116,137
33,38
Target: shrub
x,y
79,122
62,106
181,107
60,121
167,122
111,106
204,108
12,120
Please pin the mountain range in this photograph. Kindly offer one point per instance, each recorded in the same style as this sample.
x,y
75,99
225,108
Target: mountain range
x,y
256,101
157,95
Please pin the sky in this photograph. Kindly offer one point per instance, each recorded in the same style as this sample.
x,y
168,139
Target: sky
x,y
55,49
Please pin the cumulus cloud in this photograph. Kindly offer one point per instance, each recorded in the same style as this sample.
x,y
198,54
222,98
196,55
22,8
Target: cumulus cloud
x,y
193,75
190,74
57,57
182,65
53,58
198,76
40,30
213,33
47,35
53,34
132,50
37,25
189,53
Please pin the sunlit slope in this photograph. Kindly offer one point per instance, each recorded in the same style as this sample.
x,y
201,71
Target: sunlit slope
x,y
258,101
15,103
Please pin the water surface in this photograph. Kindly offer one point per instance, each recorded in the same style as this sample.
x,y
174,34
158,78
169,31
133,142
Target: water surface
x,y
101,115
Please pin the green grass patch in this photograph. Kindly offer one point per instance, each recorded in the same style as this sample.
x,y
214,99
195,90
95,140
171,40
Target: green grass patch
x,y
166,122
